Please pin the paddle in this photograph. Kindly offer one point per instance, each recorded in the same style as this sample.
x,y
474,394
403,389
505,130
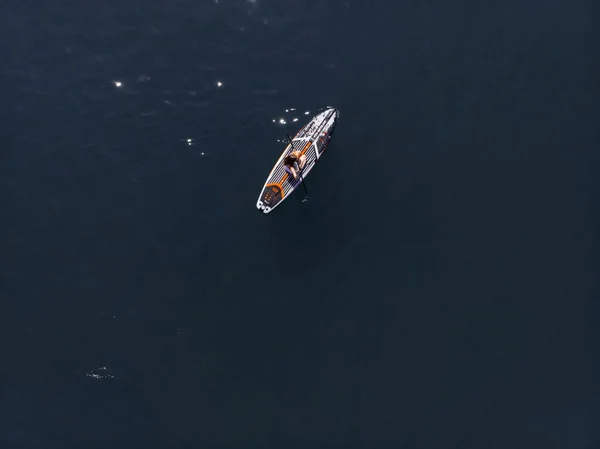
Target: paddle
x,y
299,173
305,191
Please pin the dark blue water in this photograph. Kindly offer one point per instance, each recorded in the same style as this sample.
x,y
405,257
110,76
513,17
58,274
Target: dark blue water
x,y
438,290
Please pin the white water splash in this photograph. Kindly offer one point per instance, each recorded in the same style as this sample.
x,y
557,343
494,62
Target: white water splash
x,y
100,373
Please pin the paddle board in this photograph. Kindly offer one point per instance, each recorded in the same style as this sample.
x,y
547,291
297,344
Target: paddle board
x,y
311,140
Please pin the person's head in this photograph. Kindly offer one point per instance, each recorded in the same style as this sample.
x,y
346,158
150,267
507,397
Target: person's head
x,y
289,160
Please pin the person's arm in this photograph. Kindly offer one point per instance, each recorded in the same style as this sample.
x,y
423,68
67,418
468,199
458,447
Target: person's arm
x,y
302,161
294,172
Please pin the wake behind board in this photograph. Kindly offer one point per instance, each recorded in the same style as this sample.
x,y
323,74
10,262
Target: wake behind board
x,y
311,140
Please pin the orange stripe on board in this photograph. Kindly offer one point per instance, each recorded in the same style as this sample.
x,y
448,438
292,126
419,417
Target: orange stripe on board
x,y
309,143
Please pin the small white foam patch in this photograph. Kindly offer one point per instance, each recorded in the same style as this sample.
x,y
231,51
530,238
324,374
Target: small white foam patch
x,y
100,373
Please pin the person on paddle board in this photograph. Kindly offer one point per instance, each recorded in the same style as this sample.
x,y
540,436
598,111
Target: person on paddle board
x,y
294,163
